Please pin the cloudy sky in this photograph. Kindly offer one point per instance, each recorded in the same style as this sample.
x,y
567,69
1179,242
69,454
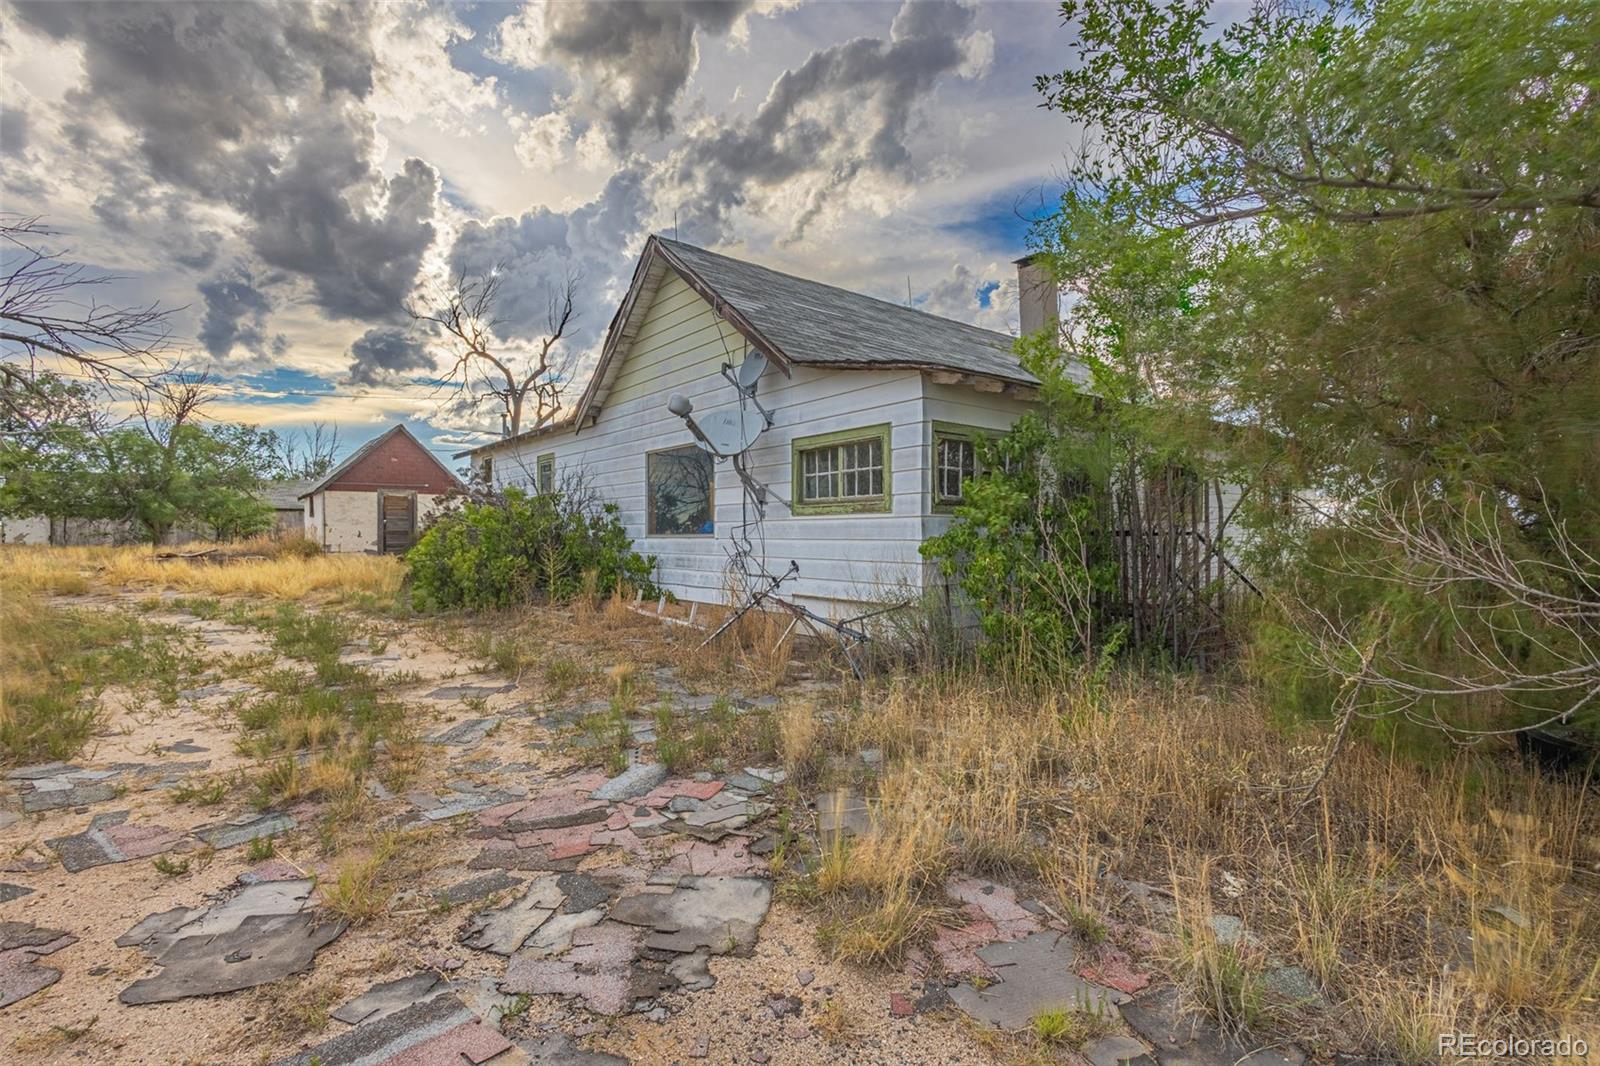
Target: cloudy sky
x,y
288,176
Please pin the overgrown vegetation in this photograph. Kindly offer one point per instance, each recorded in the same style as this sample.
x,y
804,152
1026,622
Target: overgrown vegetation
x,y
1420,899
1346,251
316,733
514,548
57,661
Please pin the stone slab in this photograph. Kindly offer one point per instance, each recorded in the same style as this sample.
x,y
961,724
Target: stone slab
x,y
476,888
390,997
260,949
596,968
466,734
232,833
634,781
9,892
503,931
1183,1038
111,839
385,1037
1033,975
21,973
719,913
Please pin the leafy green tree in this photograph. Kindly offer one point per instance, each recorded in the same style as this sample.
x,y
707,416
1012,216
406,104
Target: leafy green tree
x,y
165,470
1351,249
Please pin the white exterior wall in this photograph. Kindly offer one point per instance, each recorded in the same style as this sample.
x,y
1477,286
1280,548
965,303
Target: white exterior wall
x,y
348,521
844,559
34,529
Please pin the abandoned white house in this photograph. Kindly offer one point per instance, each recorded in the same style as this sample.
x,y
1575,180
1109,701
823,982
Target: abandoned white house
x,y
379,497
873,411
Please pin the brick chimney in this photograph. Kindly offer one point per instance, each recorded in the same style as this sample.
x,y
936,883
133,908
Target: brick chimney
x,y
1038,297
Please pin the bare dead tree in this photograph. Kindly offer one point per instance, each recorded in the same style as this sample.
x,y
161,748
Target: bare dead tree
x,y
50,320
1521,628
172,402
308,453
464,314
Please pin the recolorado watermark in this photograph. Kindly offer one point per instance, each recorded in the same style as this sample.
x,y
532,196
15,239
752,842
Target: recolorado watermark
x,y
1471,1046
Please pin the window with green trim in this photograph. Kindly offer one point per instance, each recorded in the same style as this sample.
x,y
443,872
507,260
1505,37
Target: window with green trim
x,y
842,472
547,472
955,462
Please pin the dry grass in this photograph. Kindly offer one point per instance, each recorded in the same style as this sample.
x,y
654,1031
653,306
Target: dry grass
x,y
54,663
1463,895
362,885
798,734
285,574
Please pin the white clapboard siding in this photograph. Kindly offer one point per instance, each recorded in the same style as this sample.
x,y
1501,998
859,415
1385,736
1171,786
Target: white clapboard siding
x,y
844,560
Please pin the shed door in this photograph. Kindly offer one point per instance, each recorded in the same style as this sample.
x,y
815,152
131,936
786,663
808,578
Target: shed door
x,y
397,512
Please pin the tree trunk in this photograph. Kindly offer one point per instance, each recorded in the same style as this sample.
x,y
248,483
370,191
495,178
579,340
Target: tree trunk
x,y
516,412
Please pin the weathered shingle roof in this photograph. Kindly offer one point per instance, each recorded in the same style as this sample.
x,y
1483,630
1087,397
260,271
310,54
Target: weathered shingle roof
x,y
794,321
816,324
285,495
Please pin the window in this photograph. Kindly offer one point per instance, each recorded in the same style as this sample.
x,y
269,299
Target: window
x,y
679,481
488,470
955,460
547,472
846,472
311,505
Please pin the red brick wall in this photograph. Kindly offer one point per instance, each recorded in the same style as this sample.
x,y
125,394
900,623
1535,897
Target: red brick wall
x,y
397,463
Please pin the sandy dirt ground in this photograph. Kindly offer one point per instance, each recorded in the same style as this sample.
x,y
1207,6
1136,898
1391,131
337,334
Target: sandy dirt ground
x,y
498,787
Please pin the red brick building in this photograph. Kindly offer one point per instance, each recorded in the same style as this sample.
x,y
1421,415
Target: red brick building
x,y
379,497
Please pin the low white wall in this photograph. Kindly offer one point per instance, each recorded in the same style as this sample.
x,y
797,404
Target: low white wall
x,y
348,521
31,530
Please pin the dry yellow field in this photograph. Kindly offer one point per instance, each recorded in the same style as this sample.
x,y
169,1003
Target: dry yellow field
x,y
278,572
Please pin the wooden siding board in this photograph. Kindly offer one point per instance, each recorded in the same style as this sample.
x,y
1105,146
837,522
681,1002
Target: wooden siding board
x,y
680,346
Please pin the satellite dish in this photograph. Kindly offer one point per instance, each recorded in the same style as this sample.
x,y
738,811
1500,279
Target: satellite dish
x,y
750,370
730,431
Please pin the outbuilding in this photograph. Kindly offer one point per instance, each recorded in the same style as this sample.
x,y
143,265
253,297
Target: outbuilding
x,y
378,498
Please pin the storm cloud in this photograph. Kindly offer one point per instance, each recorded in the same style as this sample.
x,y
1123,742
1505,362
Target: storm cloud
x,y
631,59
846,110
261,108
235,316
385,352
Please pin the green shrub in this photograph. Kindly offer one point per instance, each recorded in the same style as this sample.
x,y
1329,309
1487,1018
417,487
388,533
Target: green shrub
x,y
515,548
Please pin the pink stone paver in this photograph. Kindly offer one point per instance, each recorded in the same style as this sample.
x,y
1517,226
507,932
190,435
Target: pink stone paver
x,y
472,1042
998,904
957,948
730,856
1114,969
564,837
142,841
664,793
494,817
596,968
626,839
564,800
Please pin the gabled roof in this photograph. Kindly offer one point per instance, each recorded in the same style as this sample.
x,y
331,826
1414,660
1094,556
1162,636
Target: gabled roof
x,y
286,495
372,445
796,322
